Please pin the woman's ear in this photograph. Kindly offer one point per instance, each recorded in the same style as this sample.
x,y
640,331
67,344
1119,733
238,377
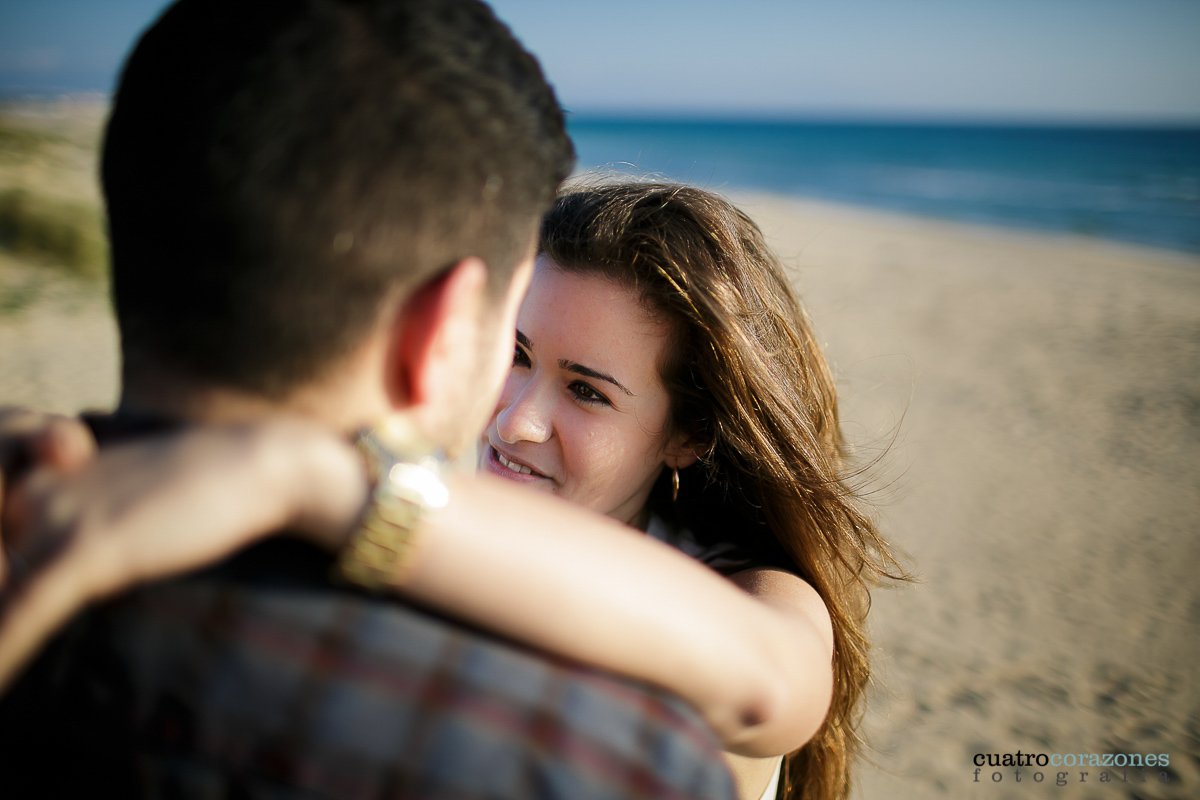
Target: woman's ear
x,y
681,452
433,339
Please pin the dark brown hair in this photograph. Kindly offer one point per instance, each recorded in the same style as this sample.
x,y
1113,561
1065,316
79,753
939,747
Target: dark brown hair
x,y
274,169
751,387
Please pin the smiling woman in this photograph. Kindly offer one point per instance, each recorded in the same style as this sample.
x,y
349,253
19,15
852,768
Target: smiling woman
x,y
727,445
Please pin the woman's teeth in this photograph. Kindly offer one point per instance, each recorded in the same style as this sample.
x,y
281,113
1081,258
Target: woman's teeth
x,y
512,465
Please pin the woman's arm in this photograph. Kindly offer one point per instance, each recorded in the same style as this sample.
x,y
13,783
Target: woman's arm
x,y
30,439
753,655
754,658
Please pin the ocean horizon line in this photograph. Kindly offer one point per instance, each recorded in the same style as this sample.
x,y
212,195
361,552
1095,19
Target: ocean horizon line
x,y
883,119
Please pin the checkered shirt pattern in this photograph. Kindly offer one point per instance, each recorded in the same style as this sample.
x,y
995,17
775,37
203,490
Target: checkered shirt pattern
x,y
261,680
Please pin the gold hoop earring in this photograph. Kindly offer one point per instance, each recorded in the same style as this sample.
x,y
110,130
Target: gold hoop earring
x,y
674,484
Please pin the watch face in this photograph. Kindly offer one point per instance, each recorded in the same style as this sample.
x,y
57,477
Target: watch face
x,y
396,439
417,484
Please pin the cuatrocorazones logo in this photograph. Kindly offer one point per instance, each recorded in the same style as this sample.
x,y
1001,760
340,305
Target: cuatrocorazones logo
x,y
1064,768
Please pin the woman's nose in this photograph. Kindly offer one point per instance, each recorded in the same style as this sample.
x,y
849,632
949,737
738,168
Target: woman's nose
x,y
523,416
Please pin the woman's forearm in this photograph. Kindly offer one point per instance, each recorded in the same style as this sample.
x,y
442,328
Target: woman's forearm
x,y
159,507
549,574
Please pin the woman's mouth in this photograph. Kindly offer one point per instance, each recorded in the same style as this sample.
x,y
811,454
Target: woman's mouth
x,y
514,466
505,467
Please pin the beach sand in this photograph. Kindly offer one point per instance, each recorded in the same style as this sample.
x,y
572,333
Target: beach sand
x,y
1033,405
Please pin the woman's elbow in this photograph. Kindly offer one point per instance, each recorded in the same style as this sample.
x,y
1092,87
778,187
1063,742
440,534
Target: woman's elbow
x,y
789,700
782,717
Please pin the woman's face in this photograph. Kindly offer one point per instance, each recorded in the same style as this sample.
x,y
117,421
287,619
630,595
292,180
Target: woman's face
x,y
584,412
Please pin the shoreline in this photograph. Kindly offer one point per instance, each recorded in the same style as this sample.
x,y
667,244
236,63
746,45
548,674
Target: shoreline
x,y
874,215
743,196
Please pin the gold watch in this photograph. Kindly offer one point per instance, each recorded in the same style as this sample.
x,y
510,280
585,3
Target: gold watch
x,y
405,471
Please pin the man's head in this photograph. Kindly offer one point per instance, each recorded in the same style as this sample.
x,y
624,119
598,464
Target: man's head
x,y
278,172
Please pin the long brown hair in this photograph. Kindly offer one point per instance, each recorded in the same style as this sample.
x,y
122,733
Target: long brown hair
x,y
751,388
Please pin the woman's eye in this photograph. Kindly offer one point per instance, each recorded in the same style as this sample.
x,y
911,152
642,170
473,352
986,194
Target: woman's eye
x,y
520,359
587,394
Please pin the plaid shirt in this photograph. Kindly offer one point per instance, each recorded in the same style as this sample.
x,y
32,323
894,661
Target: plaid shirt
x,y
260,679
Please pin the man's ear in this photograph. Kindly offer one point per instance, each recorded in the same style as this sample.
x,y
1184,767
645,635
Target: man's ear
x,y
433,338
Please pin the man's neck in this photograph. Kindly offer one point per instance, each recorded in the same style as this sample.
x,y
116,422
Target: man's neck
x,y
338,405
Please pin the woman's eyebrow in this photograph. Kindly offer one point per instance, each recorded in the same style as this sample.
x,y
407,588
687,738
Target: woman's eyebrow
x,y
580,369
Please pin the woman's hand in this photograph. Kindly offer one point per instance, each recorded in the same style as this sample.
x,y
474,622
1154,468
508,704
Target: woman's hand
x,y
30,440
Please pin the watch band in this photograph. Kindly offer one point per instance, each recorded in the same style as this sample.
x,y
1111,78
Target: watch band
x,y
407,485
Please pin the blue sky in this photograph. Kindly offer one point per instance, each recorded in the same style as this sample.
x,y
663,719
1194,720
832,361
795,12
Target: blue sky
x,y
1006,59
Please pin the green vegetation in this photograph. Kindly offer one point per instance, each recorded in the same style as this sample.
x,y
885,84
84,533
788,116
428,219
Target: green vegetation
x,y
49,205
20,142
61,232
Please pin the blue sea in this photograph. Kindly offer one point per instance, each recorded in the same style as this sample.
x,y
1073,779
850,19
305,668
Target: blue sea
x,y
1130,184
